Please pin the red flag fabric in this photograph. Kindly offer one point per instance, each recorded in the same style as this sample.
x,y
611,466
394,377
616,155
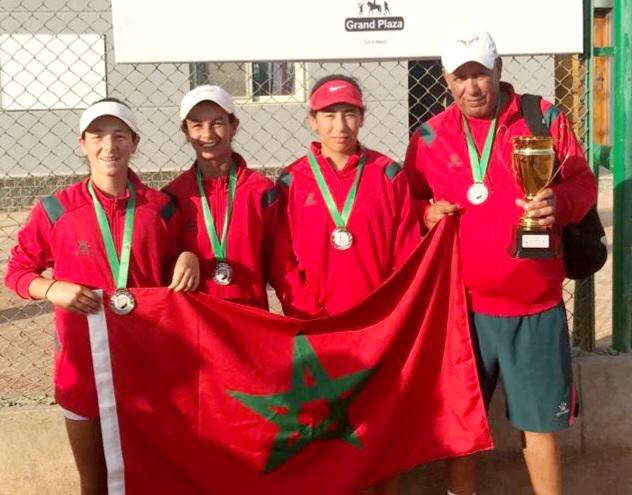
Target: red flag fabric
x,y
202,396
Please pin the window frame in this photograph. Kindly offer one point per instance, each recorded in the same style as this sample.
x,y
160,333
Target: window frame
x,y
299,87
298,96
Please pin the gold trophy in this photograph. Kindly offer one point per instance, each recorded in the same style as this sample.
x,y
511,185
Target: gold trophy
x,y
533,162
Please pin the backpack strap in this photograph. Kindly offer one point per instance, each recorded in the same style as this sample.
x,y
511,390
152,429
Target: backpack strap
x,y
532,113
53,208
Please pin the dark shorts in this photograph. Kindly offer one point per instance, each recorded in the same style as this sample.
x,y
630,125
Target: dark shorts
x,y
532,355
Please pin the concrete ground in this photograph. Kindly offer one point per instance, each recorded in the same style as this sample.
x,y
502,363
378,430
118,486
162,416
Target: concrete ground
x,y
35,457
600,473
35,460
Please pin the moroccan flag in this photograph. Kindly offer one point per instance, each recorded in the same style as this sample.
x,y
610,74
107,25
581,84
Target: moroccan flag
x,y
203,396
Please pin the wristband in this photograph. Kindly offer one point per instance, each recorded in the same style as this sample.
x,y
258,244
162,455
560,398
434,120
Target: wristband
x,y
48,288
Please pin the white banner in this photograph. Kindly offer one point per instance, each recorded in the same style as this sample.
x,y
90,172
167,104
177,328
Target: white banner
x,y
252,30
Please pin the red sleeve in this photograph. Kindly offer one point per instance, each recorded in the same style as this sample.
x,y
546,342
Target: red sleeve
x,y
289,282
576,191
31,254
407,227
421,192
173,247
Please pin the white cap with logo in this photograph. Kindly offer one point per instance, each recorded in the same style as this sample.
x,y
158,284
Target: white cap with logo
x,y
216,94
107,107
468,44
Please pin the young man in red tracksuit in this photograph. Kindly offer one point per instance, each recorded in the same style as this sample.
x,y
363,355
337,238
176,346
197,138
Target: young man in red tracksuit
x,y
231,214
68,233
349,208
460,162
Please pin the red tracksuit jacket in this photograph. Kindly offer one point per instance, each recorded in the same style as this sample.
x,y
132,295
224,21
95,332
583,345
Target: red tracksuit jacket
x,y
384,227
258,249
438,165
63,234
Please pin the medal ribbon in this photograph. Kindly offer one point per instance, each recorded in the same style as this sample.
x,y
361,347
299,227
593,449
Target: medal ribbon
x,y
340,219
479,166
219,246
120,270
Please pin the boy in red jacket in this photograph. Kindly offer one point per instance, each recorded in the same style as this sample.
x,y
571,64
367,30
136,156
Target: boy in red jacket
x,y
231,214
107,232
460,162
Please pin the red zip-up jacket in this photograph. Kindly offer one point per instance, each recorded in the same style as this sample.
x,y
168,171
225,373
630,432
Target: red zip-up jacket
x,y
384,227
62,233
258,248
438,165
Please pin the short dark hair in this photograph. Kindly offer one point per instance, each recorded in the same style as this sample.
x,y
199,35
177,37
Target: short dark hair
x,y
334,77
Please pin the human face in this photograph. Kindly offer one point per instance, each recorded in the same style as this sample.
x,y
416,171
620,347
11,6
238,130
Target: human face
x,y
475,88
337,127
108,144
210,132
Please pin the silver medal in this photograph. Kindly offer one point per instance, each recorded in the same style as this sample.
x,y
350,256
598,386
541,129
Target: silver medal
x,y
122,302
342,239
477,193
223,273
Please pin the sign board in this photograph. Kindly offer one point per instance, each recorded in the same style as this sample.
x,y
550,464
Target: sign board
x,y
251,30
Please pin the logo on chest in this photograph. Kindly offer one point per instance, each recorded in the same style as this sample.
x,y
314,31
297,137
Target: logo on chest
x,y
455,161
310,200
83,248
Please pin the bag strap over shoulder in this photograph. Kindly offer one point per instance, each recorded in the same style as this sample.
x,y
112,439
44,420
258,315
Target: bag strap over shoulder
x,y
532,113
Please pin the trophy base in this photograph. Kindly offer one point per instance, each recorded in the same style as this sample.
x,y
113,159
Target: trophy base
x,y
534,244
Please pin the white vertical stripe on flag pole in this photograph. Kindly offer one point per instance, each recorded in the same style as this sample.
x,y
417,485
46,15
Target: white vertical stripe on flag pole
x,y
102,365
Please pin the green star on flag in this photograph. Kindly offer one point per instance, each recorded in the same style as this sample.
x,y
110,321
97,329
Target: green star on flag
x,y
315,408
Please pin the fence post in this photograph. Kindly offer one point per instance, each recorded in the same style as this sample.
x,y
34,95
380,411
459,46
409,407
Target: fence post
x,y
622,167
584,293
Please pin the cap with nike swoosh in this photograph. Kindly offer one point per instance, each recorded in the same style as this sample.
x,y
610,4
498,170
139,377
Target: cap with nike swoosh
x,y
333,92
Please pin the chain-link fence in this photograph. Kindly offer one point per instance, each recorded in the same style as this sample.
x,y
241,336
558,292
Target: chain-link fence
x,y
56,57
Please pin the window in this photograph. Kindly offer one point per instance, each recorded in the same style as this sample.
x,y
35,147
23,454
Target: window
x,y
262,82
42,71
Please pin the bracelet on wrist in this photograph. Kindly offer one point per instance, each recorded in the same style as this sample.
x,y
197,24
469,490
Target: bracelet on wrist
x,y
48,289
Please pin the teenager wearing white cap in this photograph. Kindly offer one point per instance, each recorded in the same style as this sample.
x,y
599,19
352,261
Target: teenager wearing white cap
x,y
231,213
110,232
460,163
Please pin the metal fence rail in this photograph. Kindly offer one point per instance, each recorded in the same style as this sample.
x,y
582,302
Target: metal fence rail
x,y
56,57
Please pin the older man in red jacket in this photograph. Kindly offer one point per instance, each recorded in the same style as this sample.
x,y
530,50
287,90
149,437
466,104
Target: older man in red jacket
x,y
460,163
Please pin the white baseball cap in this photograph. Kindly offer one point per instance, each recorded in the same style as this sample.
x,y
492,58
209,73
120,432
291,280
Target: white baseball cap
x,y
468,44
216,94
113,108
